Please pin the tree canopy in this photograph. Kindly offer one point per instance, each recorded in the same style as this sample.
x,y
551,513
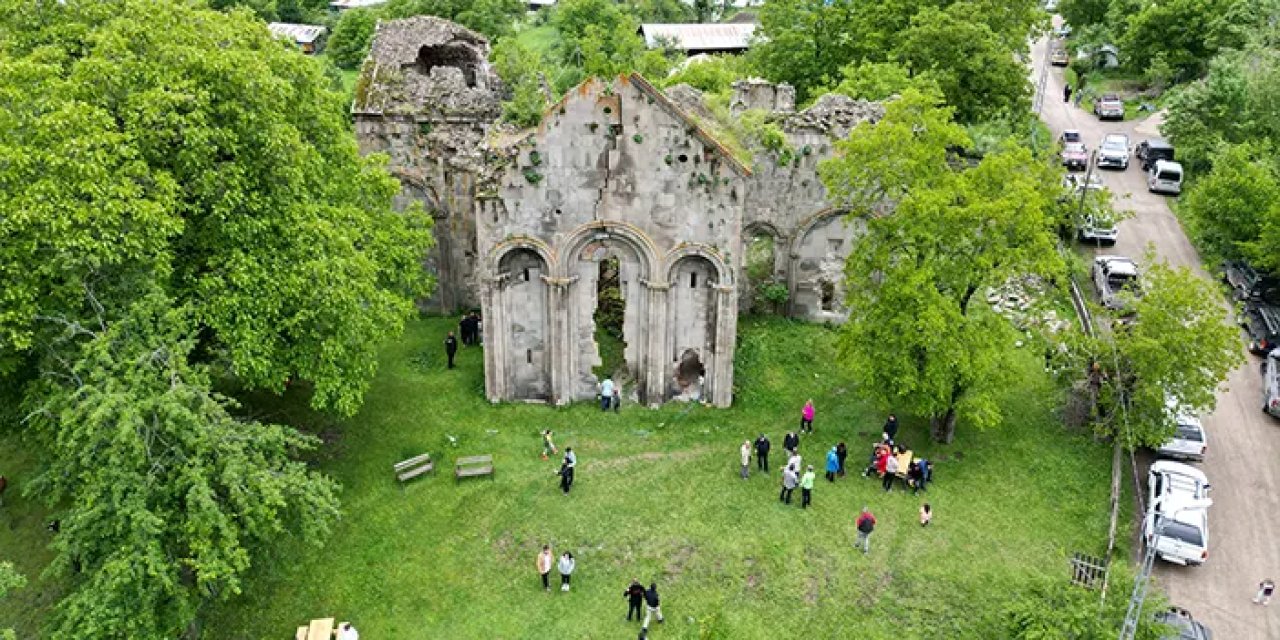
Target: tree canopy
x,y
938,233
186,149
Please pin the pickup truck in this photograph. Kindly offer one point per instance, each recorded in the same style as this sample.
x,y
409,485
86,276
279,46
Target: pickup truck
x,y
1109,107
1113,276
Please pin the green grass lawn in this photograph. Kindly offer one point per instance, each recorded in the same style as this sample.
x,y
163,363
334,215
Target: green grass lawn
x,y
657,497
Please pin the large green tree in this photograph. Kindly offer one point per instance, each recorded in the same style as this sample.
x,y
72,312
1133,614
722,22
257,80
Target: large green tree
x,y
352,34
1141,376
920,337
159,144
1230,208
1175,32
164,497
806,42
970,62
9,579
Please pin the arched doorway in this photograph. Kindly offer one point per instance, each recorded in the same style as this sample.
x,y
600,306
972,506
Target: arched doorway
x,y
692,309
523,296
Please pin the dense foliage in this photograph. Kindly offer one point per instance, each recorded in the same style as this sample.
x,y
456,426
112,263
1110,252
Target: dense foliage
x,y
966,47
919,336
182,205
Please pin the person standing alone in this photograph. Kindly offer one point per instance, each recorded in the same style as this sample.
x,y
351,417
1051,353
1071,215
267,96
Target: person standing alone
x,y
762,453
635,596
806,417
544,566
606,393
450,347
746,457
866,523
806,488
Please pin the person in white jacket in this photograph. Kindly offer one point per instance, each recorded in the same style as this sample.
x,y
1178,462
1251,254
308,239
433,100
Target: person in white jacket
x,y
746,457
566,566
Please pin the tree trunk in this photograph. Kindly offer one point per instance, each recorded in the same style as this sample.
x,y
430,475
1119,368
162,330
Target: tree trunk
x,y
944,426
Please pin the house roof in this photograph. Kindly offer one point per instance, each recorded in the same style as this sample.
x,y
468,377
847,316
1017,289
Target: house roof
x,y
339,5
700,37
300,33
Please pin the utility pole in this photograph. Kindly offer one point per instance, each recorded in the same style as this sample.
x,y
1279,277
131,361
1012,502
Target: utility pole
x,y
1148,561
1084,191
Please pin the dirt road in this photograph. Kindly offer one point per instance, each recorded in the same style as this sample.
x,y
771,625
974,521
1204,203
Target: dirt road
x,y
1243,443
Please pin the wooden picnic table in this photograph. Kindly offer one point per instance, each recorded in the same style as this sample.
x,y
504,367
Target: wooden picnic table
x,y
320,629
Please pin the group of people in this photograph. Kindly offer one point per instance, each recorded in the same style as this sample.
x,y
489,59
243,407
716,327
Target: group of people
x,y
635,593
469,328
565,566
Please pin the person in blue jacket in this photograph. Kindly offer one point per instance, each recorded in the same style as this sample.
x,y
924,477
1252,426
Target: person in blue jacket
x,y
833,464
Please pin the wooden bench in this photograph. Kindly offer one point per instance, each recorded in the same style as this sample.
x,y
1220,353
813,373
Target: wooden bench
x,y
414,467
473,466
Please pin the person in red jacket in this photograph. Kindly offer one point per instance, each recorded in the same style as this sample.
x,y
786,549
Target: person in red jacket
x,y
866,523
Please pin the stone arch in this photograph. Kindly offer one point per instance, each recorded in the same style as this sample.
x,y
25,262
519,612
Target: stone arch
x,y
514,243
723,274
818,251
693,323
765,251
637,273
524,323
615,232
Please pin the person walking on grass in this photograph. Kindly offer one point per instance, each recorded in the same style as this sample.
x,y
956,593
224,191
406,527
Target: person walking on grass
x,y
842,452
653,605
890,471
789,482
544,566
806,488
606,393
833,464
566,566
548,447
1265,589
566,475
617,398
450,347
634,594
762,453
791,443
806,417
865,524
926,514
745,454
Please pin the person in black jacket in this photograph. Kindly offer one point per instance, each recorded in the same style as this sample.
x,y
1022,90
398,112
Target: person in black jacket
x,y
762,452
891,428
450,347
634,595
653,604
791,443
566,475
842,452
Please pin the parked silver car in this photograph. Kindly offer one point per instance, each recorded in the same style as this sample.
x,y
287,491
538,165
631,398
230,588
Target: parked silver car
x,y
1271,383
1114,152
1188,441
1115,278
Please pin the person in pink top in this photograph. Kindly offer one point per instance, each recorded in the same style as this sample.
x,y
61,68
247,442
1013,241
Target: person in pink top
x,y
806,417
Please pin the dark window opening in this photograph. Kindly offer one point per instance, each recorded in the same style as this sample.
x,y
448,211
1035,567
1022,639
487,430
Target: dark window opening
x,y
528,356
828,296
430,57
693,280
526,274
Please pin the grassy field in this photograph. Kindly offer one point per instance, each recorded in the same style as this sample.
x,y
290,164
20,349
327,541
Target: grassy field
x,y
657,497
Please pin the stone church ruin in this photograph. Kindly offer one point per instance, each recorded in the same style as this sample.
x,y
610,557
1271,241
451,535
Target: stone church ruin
x,y
624,218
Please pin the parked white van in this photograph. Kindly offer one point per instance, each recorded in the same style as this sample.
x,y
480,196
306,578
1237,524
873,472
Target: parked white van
x,y
1165,176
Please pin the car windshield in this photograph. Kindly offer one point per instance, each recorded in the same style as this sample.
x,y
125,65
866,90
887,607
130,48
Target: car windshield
x,y
1170,175
1118,282
1116,144
1071,135
1110,97
1189,432
1074,147
1183,532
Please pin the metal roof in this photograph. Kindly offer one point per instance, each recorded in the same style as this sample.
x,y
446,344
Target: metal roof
x,y
354,4
299,33
699,37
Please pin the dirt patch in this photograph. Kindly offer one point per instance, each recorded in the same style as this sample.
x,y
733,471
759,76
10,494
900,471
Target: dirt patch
x,y
872,594
647,456
811,589
679,560
505,545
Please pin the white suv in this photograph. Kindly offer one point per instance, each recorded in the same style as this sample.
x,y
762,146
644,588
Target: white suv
x,y
1112,276
1114,152
1172,489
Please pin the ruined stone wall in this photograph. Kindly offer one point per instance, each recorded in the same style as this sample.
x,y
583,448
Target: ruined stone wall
x,y
617,171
